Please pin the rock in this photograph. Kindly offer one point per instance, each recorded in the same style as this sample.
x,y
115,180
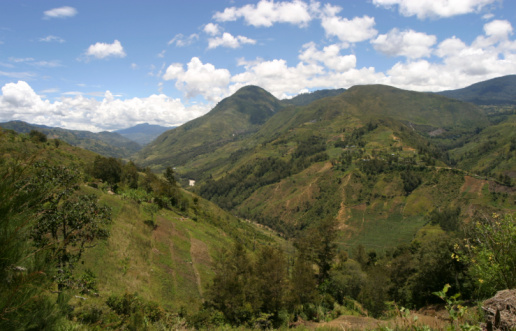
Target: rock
x,y
501,311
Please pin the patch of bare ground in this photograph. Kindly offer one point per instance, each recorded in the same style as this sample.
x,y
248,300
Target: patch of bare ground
x,y
200,255
473,185
437,322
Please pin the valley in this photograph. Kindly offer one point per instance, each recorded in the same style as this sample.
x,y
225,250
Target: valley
x,y
353,202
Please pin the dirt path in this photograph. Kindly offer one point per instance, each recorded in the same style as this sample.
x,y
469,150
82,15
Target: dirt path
x,y
198,250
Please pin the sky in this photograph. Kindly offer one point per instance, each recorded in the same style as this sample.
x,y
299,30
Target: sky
x,y
103,65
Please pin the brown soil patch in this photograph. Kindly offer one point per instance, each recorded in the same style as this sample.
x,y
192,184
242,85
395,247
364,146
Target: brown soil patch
x,y
369,323
472,185
200,255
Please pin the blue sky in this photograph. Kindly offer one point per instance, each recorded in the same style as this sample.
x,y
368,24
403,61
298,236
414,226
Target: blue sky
x,y
106,65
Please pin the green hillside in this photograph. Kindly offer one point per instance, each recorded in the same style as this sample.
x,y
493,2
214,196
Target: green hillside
x,y
341,207
104,143
155,244
374,157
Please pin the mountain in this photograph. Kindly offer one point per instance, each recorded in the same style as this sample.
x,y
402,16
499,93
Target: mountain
x,y
304,99
496,91
230,120
105,143
143,133
374,157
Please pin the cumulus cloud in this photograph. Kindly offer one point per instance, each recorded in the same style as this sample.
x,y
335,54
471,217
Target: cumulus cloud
x,y
61,12
103,50
286,81
19,102
435,8
329,56
348,31
488,56
228,40
51,38
199,79
212,29
266,13
408,43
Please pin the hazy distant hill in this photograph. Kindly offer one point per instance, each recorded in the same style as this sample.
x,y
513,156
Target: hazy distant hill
x,y
105,143
497,91
143,133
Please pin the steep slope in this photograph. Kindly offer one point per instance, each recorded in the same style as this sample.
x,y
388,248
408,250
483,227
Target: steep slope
x,y
144,133
104,143
166,255
233,118
496,91
364,157
492,152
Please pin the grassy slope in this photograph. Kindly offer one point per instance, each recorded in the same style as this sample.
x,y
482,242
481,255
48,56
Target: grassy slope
x,y
492,151
171,264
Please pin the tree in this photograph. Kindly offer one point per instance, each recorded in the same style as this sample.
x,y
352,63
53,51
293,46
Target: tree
x,y
271,279
130,175
107,169
318,245
233,291
170,176
68,222
38,136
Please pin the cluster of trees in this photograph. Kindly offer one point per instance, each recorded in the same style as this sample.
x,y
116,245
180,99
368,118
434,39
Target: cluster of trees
x,y
271,289
233,188
126,178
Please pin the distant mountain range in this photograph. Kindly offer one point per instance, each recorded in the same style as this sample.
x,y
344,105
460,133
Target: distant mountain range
x,y
109,144
143,133
377,158
497,91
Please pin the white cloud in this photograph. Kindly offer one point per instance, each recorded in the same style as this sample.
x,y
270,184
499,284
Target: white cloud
x,y
228,40
329,56
348,31
498,29
435,8
408,43
212,29
103,50
199,79
51,38
19,102
61,12
283,81
266,13
489,55
181,41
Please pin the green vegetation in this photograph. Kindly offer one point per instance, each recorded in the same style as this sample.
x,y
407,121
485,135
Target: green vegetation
x,y
368,203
